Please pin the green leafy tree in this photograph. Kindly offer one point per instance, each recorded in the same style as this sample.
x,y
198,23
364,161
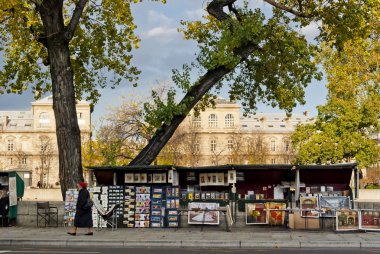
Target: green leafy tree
x,y
261,59
66,47
344,128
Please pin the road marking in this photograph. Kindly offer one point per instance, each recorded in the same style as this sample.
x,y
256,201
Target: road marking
x,y
47,251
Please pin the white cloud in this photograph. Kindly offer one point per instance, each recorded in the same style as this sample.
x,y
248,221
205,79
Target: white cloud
x,y
162,32
311,31
158,18
195,14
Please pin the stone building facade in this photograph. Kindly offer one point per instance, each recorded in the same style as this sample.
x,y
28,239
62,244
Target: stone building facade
x,y
28,142
222,135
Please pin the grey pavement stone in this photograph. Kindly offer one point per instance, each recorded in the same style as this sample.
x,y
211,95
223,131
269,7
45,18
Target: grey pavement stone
x,y
208,243
329,244
188,238
370,244
270,244
89,242
162,243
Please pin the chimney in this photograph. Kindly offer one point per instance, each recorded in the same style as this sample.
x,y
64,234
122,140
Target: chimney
x,y
3,122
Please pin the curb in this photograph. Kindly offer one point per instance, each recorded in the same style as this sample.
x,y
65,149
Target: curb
x,y
234,244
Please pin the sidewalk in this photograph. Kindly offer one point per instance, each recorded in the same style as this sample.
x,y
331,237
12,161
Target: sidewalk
x,y
193,237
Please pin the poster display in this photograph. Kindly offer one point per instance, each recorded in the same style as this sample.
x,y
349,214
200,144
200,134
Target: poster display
x,y
370,220
256,213
172,206
330,204
347,220
70,207
157,209
116,196
12,191
129,206
309,205
276,213
198,213
142,210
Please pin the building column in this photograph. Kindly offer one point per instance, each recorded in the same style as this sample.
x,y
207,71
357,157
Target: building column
x,y
356,183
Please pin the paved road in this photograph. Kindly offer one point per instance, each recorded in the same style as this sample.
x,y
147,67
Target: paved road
x,y
53,250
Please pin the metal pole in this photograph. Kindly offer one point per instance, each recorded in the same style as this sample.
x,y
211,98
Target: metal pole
x,y
298,184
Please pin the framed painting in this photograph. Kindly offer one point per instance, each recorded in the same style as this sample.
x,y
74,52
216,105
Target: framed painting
x,y
202,179
370,220
309,206
232,176
276,213
128,178
136,178
347,220
255,213
220,180
143,178
198,213
156,178
330,205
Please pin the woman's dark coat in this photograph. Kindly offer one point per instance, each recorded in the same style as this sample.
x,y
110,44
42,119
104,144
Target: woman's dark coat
x,y
83,218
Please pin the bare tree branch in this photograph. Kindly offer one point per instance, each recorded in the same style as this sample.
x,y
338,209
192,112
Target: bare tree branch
x,y
288,9
75,19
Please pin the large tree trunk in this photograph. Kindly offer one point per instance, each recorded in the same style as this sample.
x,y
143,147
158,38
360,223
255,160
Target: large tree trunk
x,y
162,136
64,105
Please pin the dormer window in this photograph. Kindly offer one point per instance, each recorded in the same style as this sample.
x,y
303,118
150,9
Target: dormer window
x,y
44,119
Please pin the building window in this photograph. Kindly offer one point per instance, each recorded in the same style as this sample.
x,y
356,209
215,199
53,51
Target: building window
x,y
196,146
229,121
11,145
10,161
258,146
287,161
273,161
213,145
230,145
43,147
80,118
212,121
287,146
23,160
273,146
230,160
44,119
196,123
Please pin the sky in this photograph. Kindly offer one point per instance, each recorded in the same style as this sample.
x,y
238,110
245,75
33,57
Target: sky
x,y
163,49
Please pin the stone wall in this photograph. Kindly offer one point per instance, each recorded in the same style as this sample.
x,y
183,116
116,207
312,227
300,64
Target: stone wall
x,y
42,195
27,213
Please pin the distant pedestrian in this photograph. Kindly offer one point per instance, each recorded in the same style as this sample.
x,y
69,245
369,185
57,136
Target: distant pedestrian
x,y
39,185
83,215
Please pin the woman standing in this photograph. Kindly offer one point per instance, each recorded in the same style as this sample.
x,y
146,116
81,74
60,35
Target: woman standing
x,y
83,215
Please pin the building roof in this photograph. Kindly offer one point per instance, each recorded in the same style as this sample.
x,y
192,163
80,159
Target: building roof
x,y
48,100
16,120
273,122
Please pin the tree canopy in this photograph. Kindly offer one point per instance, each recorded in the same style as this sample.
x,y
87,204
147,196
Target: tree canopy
x,y
100,46
261,58
71,48
347,125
